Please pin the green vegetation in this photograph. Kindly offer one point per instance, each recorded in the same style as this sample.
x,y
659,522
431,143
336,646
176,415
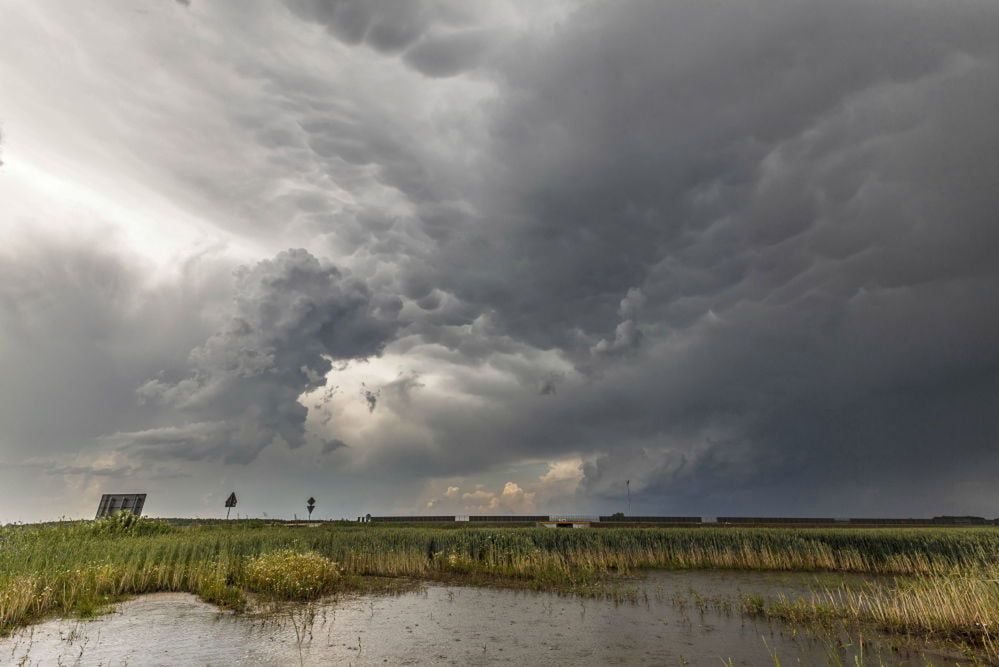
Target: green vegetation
x,y
126,523
292,575
961,606
944,584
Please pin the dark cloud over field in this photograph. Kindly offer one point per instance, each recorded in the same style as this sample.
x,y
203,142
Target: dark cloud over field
x,y
743,255
292,318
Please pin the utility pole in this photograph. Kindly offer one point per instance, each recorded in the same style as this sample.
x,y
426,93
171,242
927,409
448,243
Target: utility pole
x,y
628,485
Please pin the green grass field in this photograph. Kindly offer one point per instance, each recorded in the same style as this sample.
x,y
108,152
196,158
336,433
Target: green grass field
x,y
944,582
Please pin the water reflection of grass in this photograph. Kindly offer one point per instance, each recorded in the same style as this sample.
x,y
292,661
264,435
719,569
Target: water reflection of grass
x,y
78,568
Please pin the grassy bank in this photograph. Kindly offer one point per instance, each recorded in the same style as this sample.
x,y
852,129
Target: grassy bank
x,y
77,568
961,606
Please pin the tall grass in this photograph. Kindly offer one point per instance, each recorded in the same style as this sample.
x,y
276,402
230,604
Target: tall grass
x,y
961,606
77,568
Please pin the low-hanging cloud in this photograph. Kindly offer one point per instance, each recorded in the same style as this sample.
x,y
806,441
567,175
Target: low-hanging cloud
x,y
292,317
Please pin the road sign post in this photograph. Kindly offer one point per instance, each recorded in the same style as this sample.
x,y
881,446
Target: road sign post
x,y
230,502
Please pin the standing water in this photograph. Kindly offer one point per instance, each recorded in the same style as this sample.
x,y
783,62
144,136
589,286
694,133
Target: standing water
x,y
671,618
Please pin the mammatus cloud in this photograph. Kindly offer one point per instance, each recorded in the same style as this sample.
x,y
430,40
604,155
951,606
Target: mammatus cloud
x,y
438,38
292,317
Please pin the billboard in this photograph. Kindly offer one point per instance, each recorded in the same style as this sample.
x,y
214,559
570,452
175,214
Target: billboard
x,y
112,503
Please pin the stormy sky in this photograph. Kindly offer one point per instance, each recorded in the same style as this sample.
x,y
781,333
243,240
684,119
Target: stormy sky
x,y
437,256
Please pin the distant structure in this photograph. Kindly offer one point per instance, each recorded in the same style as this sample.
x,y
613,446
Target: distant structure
x,y
567,522
112,503
230,502
620,519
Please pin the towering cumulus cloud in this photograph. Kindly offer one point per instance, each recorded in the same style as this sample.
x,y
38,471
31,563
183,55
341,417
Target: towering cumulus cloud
x,y
292,317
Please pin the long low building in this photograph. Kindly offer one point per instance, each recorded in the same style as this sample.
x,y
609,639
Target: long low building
x,y
935,521
530,518
774,519
620,519
410,519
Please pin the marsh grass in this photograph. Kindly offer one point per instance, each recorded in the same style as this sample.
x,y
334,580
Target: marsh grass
x,y
960,606
80,568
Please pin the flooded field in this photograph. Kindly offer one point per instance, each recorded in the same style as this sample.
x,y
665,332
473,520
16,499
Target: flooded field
x,y
668,618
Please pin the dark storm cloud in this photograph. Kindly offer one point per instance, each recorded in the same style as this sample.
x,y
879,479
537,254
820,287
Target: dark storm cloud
x,y
752,245
803,194
292,316
762,233
643,133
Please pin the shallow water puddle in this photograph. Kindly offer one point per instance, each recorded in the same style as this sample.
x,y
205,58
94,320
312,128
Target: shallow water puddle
x,y
662,623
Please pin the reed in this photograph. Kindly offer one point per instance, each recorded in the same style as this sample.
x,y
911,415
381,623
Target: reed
x,y
81,567
960,606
